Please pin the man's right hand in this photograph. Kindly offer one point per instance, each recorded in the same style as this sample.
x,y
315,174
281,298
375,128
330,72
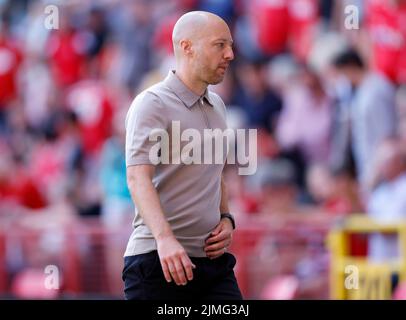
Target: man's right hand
x,y
175,262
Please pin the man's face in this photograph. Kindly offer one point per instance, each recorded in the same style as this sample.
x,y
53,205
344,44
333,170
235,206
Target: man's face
x,y
213,53
350,73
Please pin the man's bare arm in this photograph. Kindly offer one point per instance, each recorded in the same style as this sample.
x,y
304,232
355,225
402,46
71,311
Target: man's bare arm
x,y
220,238
139,180
224,197
174,260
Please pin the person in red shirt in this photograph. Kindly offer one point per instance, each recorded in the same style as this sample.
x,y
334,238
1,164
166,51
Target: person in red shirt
x,y
66,52
386,25
303,19
10,62
17,187
282,24
270,20
90,101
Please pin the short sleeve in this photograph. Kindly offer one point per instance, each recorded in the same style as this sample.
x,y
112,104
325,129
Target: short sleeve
x,y
145,116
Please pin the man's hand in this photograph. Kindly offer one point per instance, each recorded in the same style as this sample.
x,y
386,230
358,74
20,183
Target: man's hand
x,y
175,263
220,238
174,260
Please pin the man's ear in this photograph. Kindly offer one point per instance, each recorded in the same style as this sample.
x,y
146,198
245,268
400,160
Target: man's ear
x,y
186,46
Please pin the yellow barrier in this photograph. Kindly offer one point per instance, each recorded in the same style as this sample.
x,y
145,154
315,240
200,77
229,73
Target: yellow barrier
x,y
355,277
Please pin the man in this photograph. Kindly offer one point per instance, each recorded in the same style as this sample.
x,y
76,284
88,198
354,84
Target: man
x,y
387,201
373,114
178,247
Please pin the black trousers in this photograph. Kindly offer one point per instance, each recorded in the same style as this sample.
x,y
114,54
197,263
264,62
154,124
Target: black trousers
x,y
212,279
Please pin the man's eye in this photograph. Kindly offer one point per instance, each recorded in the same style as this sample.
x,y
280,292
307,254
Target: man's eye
x,y
220,45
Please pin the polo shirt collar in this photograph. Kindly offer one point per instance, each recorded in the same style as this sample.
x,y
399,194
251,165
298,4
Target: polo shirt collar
x,y
188,97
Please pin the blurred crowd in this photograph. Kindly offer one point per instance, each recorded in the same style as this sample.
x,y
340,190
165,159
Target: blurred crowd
x,y
323,97
323,81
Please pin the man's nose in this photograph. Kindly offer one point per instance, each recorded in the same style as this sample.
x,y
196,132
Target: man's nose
x,y
229,54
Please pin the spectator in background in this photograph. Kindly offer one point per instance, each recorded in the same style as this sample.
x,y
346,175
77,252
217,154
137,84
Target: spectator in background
x,y
96,32
17,187
92,103
270,22
223,8
243,200
373,114
10,62
341,158
385,22
38,91
274,184
17,134
401,111
135,30
48,163
303,22
258,101
117,207
305,122
387,201
283,24
66,51
333,192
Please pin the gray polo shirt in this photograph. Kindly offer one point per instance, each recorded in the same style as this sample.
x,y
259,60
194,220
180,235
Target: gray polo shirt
x,y
190,194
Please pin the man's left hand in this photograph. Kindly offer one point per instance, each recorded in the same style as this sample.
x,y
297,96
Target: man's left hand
x,y
219,239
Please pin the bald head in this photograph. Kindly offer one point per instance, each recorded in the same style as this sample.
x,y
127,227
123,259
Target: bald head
x,y
193,26
202,45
